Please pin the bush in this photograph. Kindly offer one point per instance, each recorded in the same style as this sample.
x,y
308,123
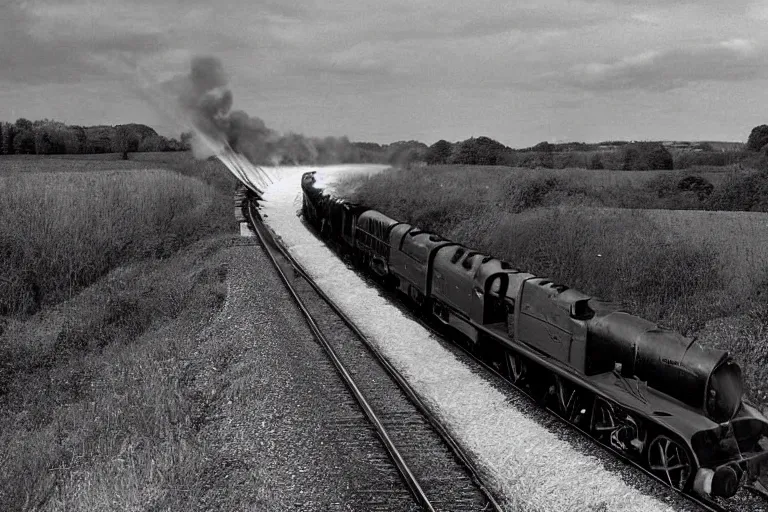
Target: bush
x,y
742,192
696,184
758,138
595,162
646,157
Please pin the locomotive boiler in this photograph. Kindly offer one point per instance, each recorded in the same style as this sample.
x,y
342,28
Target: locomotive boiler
x,y
660,399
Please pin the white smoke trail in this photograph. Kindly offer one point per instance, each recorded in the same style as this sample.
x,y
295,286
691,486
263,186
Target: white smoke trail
x,y
240,167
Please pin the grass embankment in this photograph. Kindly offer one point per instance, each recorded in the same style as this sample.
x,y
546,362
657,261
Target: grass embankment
x,y
120,270
702,273
61,230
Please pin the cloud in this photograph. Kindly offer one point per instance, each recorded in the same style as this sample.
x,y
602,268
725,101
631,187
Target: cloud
x,y
49,44
732,60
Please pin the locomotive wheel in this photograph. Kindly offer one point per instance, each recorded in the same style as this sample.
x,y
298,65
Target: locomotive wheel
x,y
670,461
603,419
569,402
516,368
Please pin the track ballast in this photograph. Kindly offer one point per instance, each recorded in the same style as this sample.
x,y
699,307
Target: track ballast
x,y
437,473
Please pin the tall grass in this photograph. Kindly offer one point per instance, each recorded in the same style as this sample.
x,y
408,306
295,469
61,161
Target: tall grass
x,y
99,406
60,231
97,409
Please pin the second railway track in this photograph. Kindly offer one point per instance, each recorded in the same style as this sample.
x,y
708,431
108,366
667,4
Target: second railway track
x,y
432,465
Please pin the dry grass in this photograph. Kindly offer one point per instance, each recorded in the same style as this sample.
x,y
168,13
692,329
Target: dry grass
x,y
96,412
683,269
96,407
59,231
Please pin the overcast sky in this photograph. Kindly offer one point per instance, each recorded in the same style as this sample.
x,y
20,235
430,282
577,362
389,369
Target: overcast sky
x,y
385,70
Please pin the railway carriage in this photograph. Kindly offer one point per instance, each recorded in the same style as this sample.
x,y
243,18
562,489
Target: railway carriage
x,y
658,398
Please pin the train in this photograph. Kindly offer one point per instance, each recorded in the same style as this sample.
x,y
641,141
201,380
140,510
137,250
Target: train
x,y
661,400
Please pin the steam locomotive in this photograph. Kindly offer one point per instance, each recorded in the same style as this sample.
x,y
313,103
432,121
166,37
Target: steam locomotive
x,y
660,399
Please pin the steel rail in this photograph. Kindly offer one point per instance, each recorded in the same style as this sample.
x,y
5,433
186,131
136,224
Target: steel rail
x,y
396,375
408,476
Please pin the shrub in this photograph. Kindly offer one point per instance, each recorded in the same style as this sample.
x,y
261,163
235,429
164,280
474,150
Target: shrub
x,y
742,192
758,137
646,157
697,184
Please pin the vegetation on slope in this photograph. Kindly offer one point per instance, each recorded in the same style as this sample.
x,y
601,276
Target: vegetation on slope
x,y
108,275
62,230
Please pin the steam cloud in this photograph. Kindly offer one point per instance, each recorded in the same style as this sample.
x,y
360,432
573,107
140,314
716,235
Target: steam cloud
x,y
207,101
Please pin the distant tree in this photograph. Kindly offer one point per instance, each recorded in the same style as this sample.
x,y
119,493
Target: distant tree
x,y
186,140
51,137
479,151
43,142
174,145
126,140
489,151
465,152
645,156
24,142
6,138
153,143
439,152
23,124
758,138
76,140
595,162
544,147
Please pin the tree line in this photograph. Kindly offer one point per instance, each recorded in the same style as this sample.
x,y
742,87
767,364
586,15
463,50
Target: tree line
x,y
620,155
49,137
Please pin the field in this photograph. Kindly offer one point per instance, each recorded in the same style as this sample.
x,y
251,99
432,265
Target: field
x,y
108,270
704,273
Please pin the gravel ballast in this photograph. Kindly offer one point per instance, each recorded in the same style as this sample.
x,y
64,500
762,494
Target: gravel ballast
x,y
282,430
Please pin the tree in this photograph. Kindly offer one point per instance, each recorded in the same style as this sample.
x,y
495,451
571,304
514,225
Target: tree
x,y
758,138
6,138
24,125
186,140
76,140
43,142
153,143
544,147
595,162
646,156
439,152
126,140
24,142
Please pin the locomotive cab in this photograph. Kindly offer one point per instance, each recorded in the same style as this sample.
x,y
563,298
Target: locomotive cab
x,y
551,319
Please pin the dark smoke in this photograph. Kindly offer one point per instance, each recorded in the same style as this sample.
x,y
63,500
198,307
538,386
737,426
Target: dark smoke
x,y
206,100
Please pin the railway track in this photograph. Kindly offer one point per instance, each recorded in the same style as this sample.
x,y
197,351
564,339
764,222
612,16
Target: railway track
x,y
436,471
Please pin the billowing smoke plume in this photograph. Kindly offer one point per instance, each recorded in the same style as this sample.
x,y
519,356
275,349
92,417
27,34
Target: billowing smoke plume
x,y
207,101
